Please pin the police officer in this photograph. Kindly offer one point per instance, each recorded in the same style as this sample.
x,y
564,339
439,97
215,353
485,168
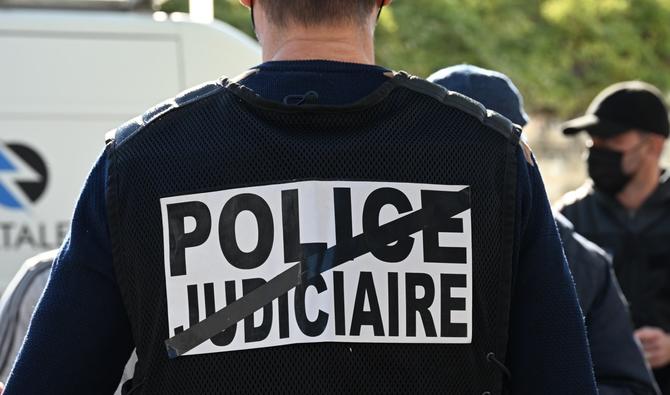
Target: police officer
x,y
317,225
624,207
618,363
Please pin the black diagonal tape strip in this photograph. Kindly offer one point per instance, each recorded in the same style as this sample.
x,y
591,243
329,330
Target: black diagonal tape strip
x,y
313,265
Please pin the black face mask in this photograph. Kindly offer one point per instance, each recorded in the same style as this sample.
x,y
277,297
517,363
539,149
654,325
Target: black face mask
x,y
606,170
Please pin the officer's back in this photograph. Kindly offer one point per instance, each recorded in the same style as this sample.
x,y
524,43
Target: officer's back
x,y
382,229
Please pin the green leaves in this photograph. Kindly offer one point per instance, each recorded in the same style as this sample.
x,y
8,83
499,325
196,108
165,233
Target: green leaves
x,y
560,53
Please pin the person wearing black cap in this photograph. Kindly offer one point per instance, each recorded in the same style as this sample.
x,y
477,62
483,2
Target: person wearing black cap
x,y
618,362
625,206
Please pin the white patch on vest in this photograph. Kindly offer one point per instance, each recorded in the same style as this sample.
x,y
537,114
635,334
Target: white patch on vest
x,y
366,300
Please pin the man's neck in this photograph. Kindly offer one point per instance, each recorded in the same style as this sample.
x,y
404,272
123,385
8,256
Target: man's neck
x,y
639,189
352,45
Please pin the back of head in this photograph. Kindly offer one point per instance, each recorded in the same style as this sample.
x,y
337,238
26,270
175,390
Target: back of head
x,y
339,30
491,88
322,12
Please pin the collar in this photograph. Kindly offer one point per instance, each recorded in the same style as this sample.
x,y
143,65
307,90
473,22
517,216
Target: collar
x,y
319,66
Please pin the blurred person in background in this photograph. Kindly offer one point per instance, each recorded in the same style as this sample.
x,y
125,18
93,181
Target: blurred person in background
x,y
17,305
618,362
317,109
625,206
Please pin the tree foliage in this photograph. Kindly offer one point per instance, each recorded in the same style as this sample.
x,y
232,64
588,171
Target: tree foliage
x,y
561,53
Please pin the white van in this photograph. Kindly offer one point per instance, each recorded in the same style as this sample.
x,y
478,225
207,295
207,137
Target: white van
x,y
69,76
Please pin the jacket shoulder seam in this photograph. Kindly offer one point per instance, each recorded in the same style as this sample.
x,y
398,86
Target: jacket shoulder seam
x,y
132,127
489,118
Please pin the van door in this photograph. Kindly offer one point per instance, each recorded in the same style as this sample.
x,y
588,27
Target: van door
x,y
59,93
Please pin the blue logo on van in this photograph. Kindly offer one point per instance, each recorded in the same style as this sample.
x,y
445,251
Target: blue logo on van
x,y
23,176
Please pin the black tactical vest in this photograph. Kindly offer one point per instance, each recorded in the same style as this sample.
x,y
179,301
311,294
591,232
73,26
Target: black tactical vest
x,y
184,176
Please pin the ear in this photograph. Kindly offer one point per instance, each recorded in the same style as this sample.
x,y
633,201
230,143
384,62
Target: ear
x,y
658,142
246,3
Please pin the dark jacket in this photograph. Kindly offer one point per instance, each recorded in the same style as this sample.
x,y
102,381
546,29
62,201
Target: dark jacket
x,y
618,362
639,243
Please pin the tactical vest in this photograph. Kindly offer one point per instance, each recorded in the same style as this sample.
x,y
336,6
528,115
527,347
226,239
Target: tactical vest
x,y
398,211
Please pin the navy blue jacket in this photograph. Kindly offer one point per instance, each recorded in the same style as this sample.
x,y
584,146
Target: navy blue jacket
x,y
638,243
80,336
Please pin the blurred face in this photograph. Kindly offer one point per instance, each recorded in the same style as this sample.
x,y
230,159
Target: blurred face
x,y
614,162
635,146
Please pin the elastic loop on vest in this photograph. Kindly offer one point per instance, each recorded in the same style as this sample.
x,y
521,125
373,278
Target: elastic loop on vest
x,y
130,387
491,357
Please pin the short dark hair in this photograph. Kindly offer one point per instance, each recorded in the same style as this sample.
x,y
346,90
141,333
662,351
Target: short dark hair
x,y
318,12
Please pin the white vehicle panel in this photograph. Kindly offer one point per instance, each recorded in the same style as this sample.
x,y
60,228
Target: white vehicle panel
x,y
68,77
40,225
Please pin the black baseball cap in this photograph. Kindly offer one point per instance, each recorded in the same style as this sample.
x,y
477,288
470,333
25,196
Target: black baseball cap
x,y
622,107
